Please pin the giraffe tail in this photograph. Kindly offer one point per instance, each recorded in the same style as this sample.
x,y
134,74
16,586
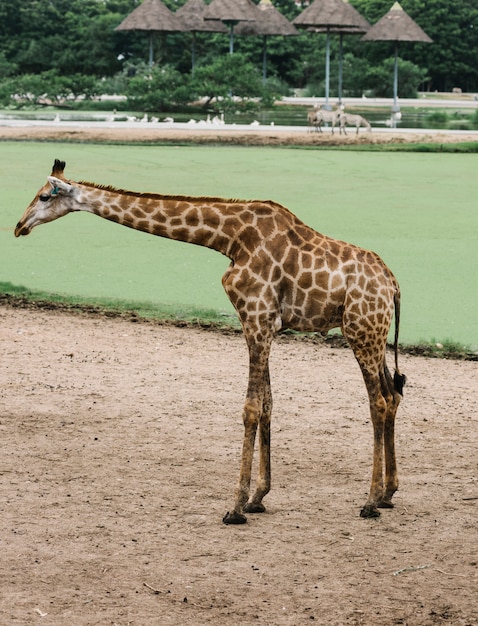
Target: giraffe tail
x,y
399,379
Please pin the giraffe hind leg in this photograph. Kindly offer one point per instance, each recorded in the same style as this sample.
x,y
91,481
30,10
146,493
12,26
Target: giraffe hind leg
x,y
392,396
384,400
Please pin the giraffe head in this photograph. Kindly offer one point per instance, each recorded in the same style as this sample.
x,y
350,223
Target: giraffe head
x,y
55,199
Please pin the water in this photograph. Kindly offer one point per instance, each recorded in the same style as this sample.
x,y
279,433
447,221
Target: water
x,y
379,118
280,116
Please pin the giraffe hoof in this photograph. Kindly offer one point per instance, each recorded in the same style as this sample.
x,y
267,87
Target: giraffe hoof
x,y
234,518
385,504
369,511
250,507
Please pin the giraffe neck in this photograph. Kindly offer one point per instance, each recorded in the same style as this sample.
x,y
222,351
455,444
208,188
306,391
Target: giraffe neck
x,y
209,222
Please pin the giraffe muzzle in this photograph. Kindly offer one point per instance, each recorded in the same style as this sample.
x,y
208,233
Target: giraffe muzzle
x,y
21,229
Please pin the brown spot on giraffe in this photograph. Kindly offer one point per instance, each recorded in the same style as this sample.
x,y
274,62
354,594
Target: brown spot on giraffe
x,y
282,275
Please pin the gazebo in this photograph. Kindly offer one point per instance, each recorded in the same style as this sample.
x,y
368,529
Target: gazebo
x,y
191,16
396,26
341,32
231,13
271,23
151,16
331,16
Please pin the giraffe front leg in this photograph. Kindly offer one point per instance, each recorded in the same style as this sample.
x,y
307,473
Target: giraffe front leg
x,y
263,485
257,411
241,496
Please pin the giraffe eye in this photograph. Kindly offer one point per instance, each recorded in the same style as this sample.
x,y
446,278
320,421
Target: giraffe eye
x,y
44,197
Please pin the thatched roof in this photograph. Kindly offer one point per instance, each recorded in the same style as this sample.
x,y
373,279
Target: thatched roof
x,y
396,25
152,16
191,15
232,11
331,14
271,22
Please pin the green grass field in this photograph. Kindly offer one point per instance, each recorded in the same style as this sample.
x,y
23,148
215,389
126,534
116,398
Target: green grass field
x,y
417,210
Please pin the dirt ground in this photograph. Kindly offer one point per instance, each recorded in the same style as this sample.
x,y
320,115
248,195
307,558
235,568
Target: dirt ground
x,y
150,133
121,445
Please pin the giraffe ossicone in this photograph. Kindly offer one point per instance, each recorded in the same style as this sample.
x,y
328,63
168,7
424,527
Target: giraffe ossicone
x,y
282,275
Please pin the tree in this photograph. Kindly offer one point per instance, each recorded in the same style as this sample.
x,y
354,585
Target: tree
x,y
450,60
72,36
76,37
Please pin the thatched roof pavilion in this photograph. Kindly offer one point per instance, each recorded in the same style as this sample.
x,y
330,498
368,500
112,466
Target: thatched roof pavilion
x,y
191,15
271,23
231,12
396,26
151,16
332,16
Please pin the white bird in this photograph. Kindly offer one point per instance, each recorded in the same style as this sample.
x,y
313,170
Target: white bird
x,y
169,120
218,120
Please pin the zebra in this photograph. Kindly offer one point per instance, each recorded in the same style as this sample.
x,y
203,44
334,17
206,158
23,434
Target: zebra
x,y
317,117
347,119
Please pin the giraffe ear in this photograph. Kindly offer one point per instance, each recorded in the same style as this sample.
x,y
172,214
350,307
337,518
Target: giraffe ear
x,y
59,186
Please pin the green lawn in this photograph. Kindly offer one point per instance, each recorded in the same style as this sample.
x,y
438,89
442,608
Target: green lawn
x,y
417,210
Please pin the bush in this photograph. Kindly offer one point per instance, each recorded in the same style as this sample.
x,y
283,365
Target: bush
x,y
157,89
474,119
47,88
273,90
437,119
231,79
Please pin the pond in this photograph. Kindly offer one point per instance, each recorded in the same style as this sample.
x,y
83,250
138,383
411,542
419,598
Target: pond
x,y
279,116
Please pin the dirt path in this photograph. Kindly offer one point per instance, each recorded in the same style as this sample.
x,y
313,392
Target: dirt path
x,y
244,135
121,445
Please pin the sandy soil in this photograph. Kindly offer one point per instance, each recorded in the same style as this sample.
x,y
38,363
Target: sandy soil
x,y
121,445
243,136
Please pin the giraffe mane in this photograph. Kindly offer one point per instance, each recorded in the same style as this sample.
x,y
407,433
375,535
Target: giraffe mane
x,y
139,194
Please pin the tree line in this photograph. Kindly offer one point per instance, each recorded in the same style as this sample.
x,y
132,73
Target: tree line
x,y
63,48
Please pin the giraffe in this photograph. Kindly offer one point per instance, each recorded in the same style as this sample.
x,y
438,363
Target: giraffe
x,y
282,275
